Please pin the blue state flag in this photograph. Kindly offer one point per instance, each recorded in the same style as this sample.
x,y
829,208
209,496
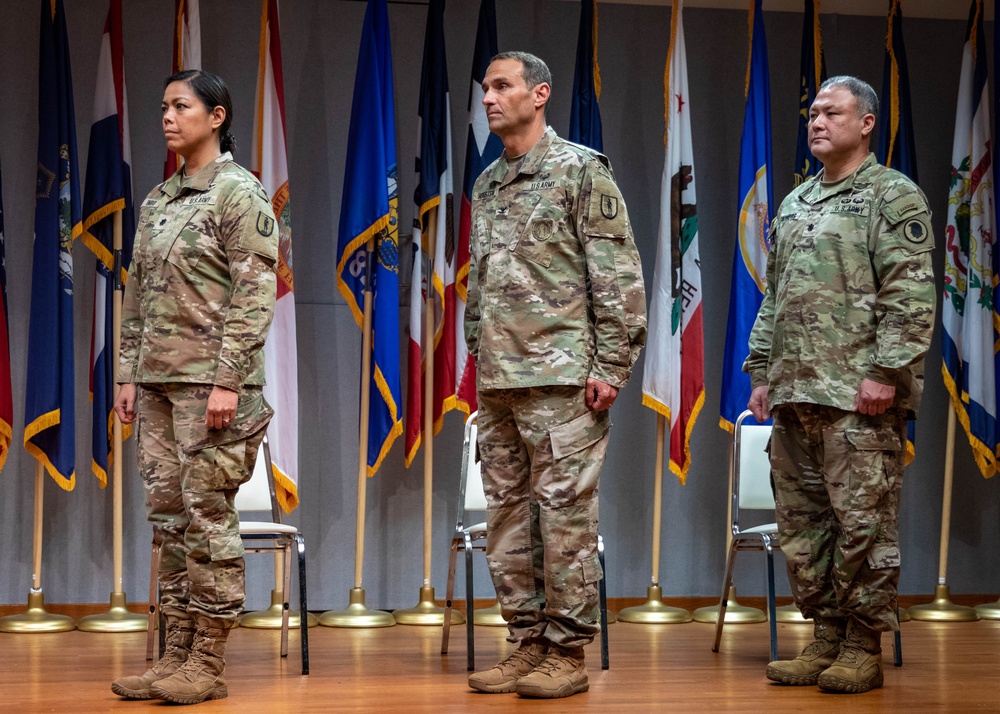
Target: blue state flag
x,y
108,190
585,114
753,240
49,405
368,214
812,73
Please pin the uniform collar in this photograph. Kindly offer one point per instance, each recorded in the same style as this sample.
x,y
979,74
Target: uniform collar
x,y
202,181
818,192
527,164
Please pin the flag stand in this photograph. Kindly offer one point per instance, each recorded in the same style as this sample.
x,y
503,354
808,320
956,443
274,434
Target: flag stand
x,y
357,614
942,609
36,618
427,612
653,611
117,618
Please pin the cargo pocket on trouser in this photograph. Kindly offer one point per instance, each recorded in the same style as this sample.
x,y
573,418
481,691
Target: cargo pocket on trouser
x,y
874,455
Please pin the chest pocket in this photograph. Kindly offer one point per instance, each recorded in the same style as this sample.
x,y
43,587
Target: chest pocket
x,y
537,236
190,234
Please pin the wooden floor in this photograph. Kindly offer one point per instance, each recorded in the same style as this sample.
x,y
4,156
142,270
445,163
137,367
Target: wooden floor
x,y
951,667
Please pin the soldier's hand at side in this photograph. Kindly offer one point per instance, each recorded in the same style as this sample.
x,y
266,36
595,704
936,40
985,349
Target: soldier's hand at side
x,y
221,407
873,397
759,404
600,395
125,403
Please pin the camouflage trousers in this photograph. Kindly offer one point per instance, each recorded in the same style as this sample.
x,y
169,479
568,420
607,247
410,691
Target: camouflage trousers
x,y
837,478
542,452
191,474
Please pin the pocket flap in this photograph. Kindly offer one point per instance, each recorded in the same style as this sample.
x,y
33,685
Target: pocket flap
x,y
873,439
577,434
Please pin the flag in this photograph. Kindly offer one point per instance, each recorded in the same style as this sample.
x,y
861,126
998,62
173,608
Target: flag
x,y
673,382
269,162
108,189
6,396
811,75
754,224
896,145
368,212
969,315
585,114
187,55
481,149
434,271
49,406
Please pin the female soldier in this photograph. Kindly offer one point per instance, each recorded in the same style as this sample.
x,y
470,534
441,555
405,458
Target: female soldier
x,y
198,304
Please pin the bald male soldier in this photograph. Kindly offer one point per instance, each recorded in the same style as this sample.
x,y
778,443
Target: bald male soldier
x,y
555,319
836,355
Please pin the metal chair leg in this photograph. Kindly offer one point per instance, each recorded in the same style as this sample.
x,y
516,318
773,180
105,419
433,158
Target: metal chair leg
x,y
771,615
286,579
726,582
303,605
470,605
154,598
602,586
449,594
897,644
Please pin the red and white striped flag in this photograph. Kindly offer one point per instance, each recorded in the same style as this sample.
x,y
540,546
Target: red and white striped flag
x,y
187,55
269,163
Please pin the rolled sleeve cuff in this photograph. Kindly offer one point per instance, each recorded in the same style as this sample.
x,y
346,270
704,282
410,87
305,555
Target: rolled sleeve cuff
x,y
229,377
882,375
614,375
758,379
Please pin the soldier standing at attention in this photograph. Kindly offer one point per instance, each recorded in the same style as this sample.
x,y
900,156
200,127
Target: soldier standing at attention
x,y
836,354
198,304
555,319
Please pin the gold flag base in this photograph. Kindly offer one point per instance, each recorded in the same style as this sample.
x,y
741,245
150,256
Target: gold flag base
x,y
116,619
356,614
489,616
903,615
427,612
735,613
791,614
653,611
989,610
270,619
36,618
942,609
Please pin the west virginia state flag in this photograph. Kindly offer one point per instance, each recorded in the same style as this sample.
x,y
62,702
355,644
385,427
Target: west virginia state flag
x,y
49,404
6,396
187,55
368,214
812,74
108,190
673,381
433,226
969,315
753,240
585,114
481,149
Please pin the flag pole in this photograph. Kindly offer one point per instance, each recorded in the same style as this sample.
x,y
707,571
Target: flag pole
x,y
36,618
942,609
653,611
357,614
426,611
117,618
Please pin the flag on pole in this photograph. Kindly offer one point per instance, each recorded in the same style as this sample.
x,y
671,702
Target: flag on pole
x,y
108,189
585,114
269,162
49,405
435,271
811,75
481,149
896,145
754,224
673,382
6,395
187,55
969,315
368,211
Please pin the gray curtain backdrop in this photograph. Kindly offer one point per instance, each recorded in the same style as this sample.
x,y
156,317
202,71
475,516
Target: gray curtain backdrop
x,y
320,45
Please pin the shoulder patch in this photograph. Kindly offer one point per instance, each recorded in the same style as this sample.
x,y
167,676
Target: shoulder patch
x,y
607,216
265,224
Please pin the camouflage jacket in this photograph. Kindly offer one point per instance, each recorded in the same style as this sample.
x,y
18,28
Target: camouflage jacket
x,y
850,291
555,284
201,288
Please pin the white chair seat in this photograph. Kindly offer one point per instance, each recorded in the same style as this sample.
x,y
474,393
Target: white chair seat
x,y
770,528
251,527
476,529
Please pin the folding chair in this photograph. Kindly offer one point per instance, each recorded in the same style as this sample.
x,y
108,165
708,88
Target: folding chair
x,y
472,499
272,536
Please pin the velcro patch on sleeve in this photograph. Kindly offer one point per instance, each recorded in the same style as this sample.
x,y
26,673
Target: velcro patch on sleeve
x,y
607,216
259,233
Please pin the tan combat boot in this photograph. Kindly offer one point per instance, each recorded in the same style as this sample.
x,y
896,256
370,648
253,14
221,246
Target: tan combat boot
x,y
859,666
505,675
819,654
179,635
562,674
202,676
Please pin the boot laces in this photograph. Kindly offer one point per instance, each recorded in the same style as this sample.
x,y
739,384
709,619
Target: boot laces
x,y
515,659
555,663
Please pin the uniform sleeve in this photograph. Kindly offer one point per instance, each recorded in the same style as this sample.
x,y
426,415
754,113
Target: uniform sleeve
x,y
614,271
131,332
477,270
250,234
763,327
904,306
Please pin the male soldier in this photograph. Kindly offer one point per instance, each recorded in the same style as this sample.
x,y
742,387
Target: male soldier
x,y
555,318
837,355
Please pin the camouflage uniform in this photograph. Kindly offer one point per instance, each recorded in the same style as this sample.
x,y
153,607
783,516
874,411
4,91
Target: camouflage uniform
x,y
555,297
198,304
850,295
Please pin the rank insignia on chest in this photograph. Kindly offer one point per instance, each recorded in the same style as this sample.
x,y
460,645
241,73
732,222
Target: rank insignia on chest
x,y
609,206
265,224
502,211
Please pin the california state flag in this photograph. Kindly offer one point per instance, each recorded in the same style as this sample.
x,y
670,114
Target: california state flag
x,y
673,381
270,164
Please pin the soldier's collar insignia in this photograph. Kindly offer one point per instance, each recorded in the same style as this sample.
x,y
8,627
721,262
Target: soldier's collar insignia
x,y
609,206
